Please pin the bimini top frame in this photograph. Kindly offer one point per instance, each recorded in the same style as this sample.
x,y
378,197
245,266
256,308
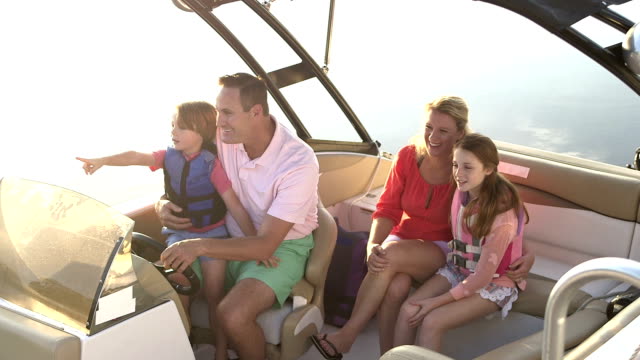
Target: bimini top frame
x,y
557,16
289,75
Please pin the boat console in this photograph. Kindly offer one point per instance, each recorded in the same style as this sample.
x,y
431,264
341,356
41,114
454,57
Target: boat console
x,y
70,288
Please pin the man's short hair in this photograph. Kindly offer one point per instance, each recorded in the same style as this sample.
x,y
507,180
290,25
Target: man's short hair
x,y
253,90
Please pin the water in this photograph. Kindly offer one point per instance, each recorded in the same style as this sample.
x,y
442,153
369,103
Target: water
x,y
87,79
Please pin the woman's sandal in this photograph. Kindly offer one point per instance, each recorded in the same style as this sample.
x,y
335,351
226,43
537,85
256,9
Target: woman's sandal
x,y
317,342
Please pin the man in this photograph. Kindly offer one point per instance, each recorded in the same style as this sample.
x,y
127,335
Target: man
x,y
275,175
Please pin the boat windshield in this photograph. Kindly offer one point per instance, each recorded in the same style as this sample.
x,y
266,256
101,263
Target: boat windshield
x,y
61,251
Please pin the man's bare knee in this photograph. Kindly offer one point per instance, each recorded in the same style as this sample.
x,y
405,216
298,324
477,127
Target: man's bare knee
x,y
242,305
232,316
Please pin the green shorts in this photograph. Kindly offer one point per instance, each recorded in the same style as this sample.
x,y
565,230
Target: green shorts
x,y
293,255
195,266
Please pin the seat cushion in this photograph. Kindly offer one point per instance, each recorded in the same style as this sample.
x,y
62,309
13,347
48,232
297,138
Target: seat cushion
x,y
23,338
271,322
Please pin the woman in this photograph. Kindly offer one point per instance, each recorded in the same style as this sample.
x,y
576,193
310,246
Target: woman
x,y
410,227
486,212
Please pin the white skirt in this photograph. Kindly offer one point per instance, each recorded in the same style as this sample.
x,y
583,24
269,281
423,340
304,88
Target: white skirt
x,y
503,296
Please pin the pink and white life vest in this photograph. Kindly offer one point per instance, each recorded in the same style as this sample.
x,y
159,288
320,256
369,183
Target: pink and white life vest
x,y
466,248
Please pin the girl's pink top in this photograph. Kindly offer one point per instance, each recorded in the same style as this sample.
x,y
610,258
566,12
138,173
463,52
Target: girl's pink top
x,y
502,234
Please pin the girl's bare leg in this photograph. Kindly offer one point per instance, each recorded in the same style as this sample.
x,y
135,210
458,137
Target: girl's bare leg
x,y
438,321
404,334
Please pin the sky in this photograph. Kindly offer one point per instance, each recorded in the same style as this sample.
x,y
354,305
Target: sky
x,y
87,78
91,78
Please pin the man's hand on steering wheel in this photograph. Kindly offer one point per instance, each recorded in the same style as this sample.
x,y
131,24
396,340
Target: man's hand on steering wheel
x,y
150,250
179,256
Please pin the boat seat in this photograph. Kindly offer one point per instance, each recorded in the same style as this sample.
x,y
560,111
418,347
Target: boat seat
x,y
287,330
24,338
412,352
581,322
528,309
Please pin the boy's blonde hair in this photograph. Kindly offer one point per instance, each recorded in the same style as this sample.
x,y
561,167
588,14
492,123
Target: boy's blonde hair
x,y
199,116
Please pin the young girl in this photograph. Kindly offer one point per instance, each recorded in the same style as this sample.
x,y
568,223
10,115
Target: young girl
x,y
486,221
195,180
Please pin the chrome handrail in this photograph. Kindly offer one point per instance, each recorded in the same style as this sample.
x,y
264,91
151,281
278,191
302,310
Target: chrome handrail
x,y
556,310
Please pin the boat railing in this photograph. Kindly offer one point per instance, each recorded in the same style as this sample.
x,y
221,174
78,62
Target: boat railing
x,y
555,317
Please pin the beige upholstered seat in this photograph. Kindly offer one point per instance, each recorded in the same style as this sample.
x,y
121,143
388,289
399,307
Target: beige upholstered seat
x,y
287,330
581,323
24,338
412,352
307,319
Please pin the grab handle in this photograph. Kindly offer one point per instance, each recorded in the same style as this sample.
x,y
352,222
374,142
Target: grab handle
x,y
556,310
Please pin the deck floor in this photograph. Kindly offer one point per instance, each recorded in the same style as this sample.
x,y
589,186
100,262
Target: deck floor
x,y
365,347
481,336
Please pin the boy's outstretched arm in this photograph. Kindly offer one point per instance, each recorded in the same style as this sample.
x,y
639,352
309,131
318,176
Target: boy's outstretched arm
x,y
123,159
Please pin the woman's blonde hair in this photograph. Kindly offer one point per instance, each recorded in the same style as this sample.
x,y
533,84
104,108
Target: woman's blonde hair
x,y
497,193
454,106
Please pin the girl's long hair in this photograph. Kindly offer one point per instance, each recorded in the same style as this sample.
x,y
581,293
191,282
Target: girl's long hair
x,y
497,193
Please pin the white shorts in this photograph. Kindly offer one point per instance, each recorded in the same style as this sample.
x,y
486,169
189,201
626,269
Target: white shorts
x,y
503,296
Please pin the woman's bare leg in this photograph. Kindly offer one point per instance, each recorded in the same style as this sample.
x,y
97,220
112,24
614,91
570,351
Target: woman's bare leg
x,y
438,321
397,293
416,258
405,334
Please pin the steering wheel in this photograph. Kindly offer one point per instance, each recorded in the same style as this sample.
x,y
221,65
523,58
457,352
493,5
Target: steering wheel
x,y
149,249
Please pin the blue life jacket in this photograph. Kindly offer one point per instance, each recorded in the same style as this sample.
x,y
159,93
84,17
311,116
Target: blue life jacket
x,y
188,185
